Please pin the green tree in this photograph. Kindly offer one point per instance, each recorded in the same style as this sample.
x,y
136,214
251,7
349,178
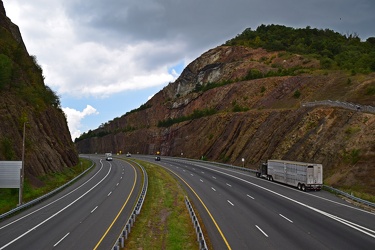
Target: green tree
x,y
5,70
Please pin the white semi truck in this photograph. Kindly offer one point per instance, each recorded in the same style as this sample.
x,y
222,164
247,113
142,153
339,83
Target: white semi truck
x,y
298,174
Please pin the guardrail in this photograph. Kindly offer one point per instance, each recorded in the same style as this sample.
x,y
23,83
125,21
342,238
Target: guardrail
x,y
198,229
41,198
368,203
127,228
346,105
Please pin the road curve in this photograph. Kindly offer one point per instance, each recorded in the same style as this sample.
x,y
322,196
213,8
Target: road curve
x,y
89,214
241,211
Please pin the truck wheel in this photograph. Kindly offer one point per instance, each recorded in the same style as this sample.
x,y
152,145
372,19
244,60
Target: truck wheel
x,y
299,186
271,178
303,187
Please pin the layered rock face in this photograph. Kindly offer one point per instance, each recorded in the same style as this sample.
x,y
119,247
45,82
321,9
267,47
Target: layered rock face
x,y
26,102
254,118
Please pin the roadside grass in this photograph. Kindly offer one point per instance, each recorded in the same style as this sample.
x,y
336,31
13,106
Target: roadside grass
x,y
9,196
164,222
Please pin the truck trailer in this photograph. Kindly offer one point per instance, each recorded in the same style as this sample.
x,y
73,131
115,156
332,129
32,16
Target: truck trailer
x,y
298,174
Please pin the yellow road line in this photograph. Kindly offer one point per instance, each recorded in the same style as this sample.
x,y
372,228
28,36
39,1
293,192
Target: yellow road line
x,y
123,206
204,205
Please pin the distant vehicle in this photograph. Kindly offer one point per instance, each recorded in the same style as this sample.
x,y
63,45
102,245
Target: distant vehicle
x,y
298,174
128,154
108,156
157,158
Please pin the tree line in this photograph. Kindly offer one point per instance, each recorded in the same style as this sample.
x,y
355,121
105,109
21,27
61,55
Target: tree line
x,y
334,50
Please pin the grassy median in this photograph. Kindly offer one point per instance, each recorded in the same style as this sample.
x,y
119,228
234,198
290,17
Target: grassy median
x,y
164,222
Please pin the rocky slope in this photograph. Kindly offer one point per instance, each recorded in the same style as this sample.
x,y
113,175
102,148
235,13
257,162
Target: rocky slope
x,y
25,100
254,119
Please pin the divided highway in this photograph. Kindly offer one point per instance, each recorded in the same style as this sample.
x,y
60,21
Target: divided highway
x,y
241,211
89,214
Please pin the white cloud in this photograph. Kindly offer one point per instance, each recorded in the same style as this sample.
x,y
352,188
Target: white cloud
x,y
75,117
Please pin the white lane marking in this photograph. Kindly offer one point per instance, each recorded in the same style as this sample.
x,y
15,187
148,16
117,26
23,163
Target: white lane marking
x,y
109,193
55,200
191,174
261,231
286,218
202,172
213,189
230,202
55,214
201,180
94,209
121,178
214,177
229,185
250,197
66,235
117,184
355,226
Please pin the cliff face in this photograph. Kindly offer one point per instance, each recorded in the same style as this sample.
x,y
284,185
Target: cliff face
x,y
255,119
25,100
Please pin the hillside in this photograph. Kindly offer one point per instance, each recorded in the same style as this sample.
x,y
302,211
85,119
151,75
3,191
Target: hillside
x,y
26,100
243,101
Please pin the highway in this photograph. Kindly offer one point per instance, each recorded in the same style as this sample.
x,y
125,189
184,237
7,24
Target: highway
x,y
241,211
89,214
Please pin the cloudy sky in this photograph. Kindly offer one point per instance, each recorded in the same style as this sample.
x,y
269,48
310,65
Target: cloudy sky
x,y
107,57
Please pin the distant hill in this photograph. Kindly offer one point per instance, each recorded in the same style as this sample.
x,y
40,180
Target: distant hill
x,y
246,99
26,100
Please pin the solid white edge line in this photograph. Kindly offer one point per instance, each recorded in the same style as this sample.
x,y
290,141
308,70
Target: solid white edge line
x,y
55,214
54,200
353,225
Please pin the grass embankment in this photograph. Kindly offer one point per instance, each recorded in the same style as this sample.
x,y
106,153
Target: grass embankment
x,y
9,196
164,222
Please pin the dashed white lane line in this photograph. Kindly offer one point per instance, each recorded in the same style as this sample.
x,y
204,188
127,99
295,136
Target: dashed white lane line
x,y
94,209
109,193
229,185
214,177
250,197
286,218
230,203
261,231
213,189
201,180
66,235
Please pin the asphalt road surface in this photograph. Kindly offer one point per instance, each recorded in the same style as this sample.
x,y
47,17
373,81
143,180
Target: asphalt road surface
x,y
241,211
88,214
